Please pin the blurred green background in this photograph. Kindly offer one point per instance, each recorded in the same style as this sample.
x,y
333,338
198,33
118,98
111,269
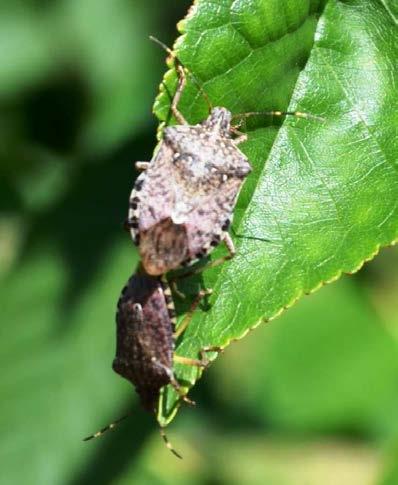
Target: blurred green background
x,y
311,398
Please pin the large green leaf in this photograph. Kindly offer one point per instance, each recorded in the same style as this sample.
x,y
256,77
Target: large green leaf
x,y
323,193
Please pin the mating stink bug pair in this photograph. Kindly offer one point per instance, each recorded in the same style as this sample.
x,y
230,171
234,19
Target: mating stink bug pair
x,y
180,208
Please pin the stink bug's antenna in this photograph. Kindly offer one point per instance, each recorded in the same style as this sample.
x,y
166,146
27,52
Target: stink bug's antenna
x,y
106,428
184,69
163,46
297,114
169,446
110,426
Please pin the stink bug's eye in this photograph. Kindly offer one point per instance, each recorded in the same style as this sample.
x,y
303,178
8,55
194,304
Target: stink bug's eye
x,y
137,307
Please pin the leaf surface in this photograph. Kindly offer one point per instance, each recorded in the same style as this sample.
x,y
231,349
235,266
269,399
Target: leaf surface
x,y
324,194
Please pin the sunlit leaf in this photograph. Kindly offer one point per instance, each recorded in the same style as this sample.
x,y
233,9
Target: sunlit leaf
x,y
324,194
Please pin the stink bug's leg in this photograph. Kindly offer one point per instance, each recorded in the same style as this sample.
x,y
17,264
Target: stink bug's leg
x,y
202,362
175,383
180,392
107,428
142,165
180,294
180,87
205,362
188,317
241,137
179,359
206,350
169,446
231,249
230,246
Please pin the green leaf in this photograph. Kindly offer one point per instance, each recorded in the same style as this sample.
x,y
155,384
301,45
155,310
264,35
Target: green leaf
x,y
323,193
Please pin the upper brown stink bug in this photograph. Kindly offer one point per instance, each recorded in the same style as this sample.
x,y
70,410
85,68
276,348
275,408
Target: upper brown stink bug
x,y
182,204
145,323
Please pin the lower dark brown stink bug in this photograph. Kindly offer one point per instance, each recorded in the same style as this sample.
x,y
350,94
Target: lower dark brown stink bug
x,y
145,321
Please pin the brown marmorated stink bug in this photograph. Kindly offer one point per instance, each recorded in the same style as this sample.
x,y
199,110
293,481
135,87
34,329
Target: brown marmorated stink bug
x,y
181,205
145,322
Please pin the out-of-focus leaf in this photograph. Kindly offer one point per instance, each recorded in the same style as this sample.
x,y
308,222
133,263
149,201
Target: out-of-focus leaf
x,y
116,63
328,364
85,67
57,383
25,53
264,461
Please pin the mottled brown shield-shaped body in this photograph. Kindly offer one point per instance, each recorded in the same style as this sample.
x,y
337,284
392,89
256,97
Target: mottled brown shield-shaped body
x,y
182,205
144,348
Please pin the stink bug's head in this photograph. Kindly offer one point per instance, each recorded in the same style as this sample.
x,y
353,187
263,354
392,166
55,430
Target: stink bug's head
x,y
219,120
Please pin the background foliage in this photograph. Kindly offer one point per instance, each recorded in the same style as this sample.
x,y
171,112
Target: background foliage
x,y
316,389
